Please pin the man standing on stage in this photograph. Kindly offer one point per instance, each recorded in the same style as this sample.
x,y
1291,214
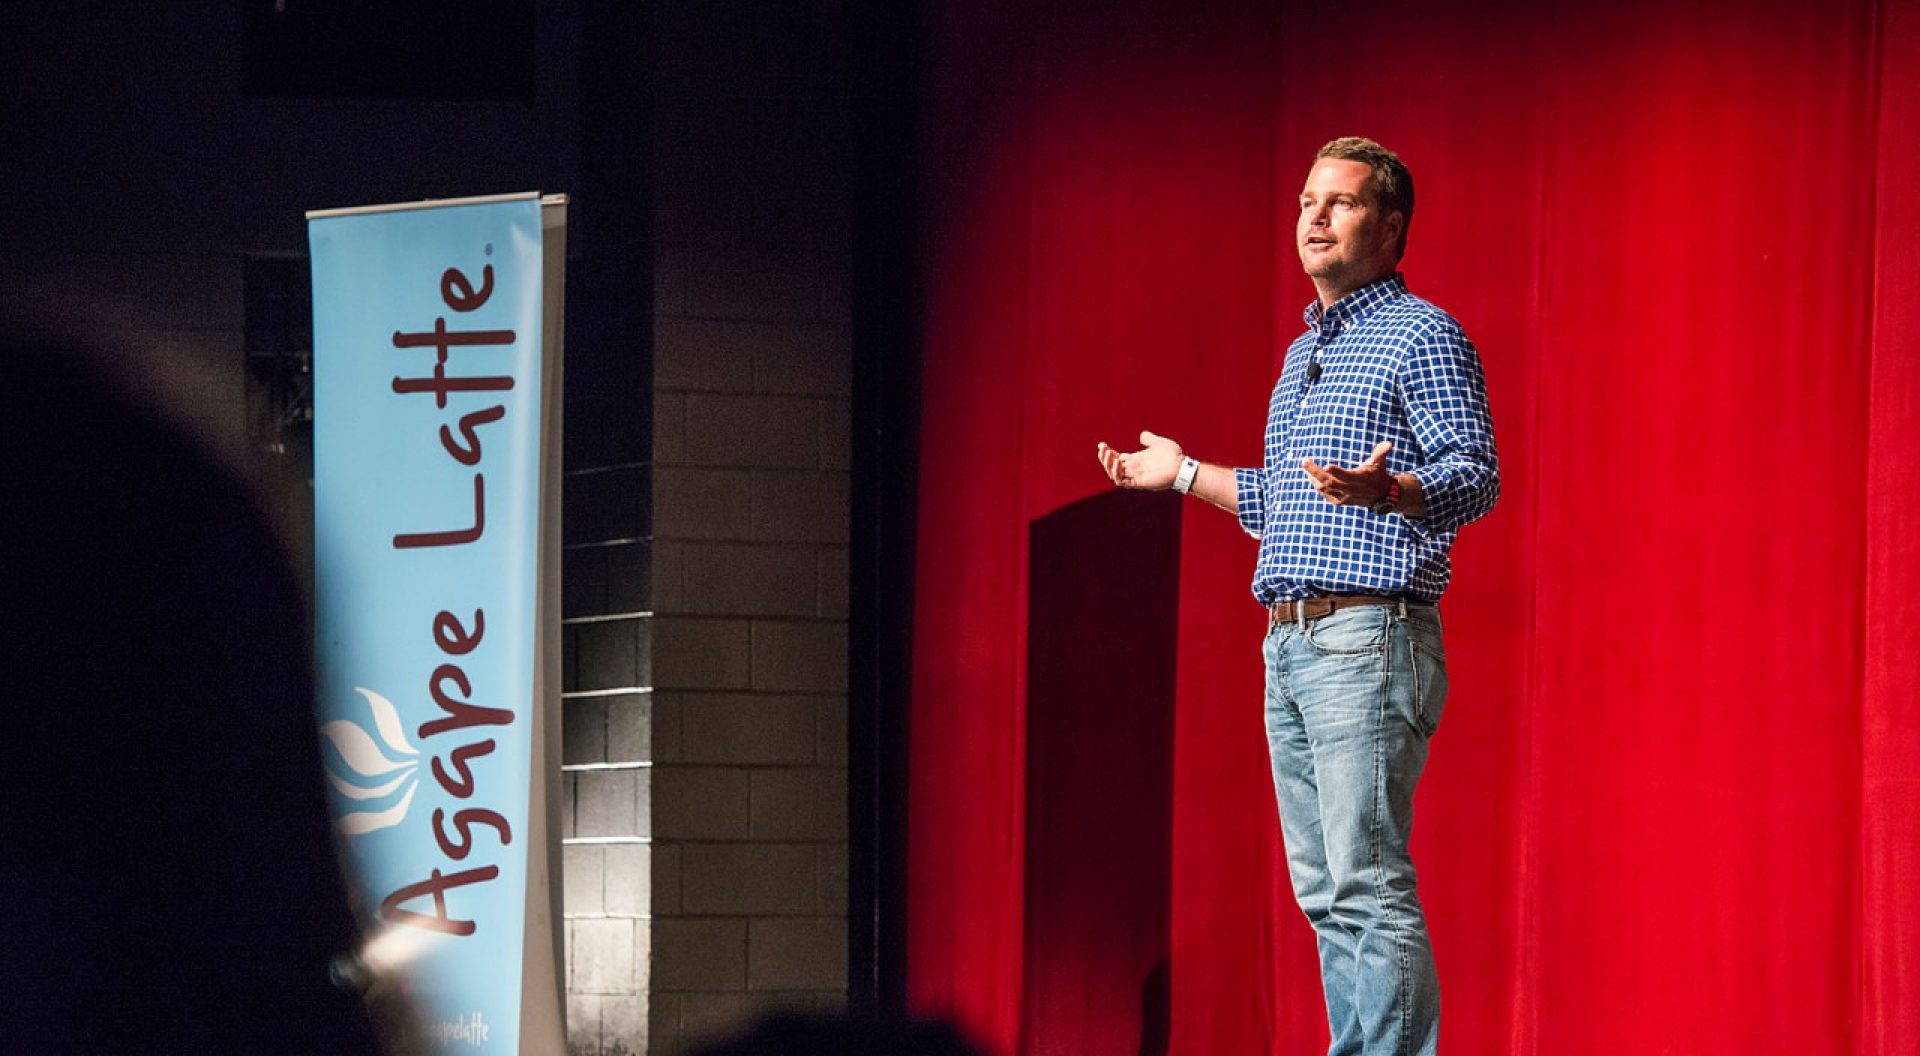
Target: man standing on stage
x,y
1352,562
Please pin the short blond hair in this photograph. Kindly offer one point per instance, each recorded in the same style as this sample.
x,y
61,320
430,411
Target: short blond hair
x,y
1390,183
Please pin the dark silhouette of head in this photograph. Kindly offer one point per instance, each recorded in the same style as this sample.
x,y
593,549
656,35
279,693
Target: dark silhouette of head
x,y
169,874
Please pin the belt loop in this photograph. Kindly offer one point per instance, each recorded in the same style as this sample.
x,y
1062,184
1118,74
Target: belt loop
x,y
1300,614
1403,608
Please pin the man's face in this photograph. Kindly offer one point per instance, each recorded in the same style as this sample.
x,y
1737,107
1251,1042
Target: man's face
x,y
1345,241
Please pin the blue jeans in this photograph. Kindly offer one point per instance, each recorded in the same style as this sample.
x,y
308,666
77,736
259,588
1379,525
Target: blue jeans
x,y
1351,700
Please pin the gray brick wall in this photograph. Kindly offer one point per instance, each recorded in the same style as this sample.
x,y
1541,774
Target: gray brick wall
x,y
751,433
607,754
750,659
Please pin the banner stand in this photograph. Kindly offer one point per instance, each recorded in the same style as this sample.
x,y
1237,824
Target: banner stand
x,y
438,364
543,1000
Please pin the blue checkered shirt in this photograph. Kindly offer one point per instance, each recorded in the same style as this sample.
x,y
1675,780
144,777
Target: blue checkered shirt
x,y
1393,367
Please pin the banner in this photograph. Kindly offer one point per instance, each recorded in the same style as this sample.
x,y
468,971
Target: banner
x,y
434,588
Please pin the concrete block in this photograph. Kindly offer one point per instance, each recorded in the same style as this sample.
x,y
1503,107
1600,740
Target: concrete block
x,y
831,729
699,953
699,355
613,653
569,805
709,1018
662,1041
700,803
623,1025
666,879
668,709
629,727
583,730
834,583
808,360
603,956
582,889
609,803
669,428
836,434
608,504
833,879
750,878
747,729
728,429
629,577
699,502
751,579
663,1023
583,581
802,803
803,657
583,1024
701,654
668,561
797,954
628,884
799,506
606,426
569,660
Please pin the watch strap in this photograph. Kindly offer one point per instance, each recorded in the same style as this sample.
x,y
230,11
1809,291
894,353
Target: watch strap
x,y
1183,480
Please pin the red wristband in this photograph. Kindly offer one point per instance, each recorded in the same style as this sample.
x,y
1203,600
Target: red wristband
x,y
1392,499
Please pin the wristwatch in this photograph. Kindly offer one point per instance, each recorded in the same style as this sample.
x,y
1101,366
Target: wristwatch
x,y
1183,481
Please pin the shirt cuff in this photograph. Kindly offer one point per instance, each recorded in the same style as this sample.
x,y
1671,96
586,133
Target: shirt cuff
x,y
1250,500
1438,492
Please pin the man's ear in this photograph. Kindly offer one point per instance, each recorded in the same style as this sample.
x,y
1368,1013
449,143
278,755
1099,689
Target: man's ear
x,y
1396,235
1397,227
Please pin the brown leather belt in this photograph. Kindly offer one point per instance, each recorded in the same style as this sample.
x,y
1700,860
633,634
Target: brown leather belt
x,y
1314,608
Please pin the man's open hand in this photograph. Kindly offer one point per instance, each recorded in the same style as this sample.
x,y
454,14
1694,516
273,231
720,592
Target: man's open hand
x,y
1363,485
1152,468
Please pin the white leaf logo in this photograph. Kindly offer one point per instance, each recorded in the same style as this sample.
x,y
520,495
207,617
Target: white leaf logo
x,y
368,769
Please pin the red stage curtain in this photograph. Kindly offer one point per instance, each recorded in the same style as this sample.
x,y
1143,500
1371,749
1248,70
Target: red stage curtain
x,y
1674,805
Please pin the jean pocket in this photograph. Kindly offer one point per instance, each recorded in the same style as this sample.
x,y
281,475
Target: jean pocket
x,y
1358,631
1427,664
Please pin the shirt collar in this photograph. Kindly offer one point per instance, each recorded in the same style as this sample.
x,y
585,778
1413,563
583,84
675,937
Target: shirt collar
x,y
1355,306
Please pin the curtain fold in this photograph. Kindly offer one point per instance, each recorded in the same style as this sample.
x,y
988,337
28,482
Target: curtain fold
x,y
1889,918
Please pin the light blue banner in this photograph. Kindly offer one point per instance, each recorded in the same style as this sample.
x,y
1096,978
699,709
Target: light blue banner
x,y
427,356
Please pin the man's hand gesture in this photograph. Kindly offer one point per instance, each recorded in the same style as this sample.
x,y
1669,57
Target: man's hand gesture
x,y
1363,485
1152,468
